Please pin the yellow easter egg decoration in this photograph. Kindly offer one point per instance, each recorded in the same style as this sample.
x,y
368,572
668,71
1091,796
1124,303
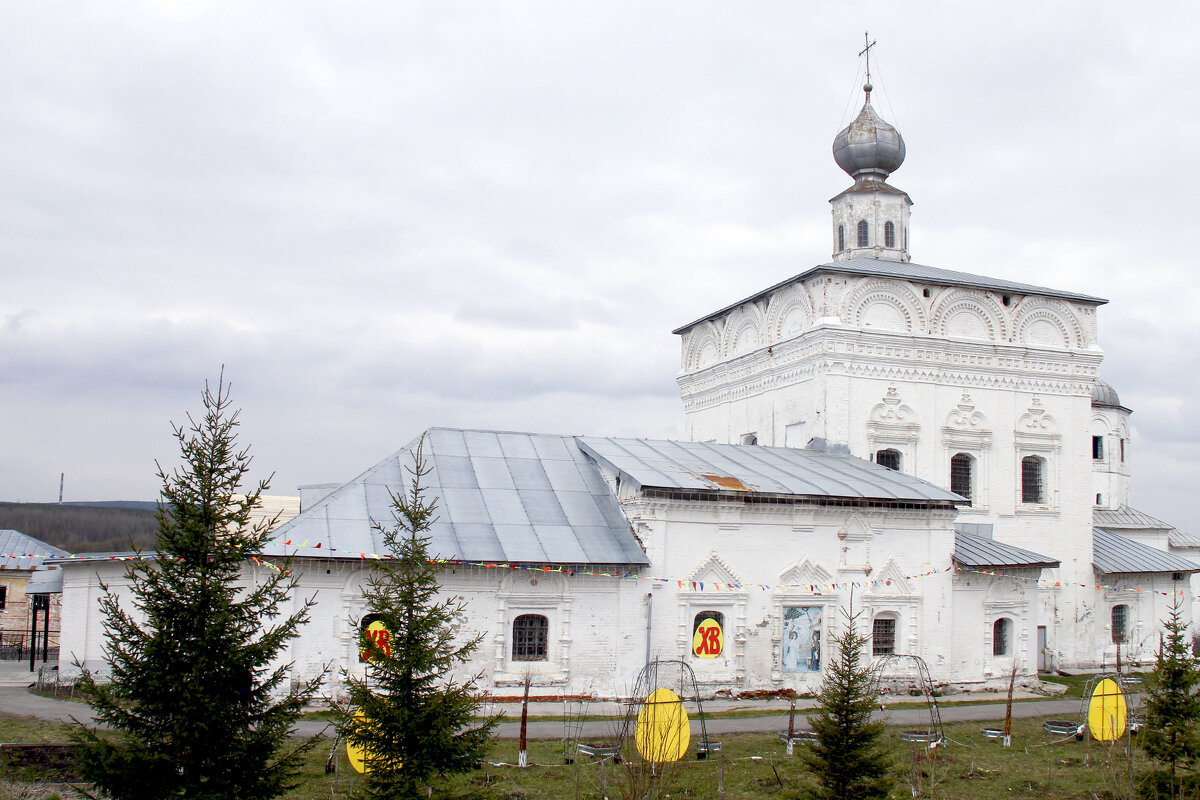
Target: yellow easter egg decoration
x,y
709,640
1107,711
663,732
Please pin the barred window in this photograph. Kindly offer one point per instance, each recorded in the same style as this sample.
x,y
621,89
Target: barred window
x,y
1031,479
883,636
888,458
862,233
1097,447
1000,636
960,475
531,632
889,234
1120,623
841,238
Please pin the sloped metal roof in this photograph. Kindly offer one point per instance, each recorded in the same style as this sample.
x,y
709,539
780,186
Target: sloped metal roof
x,y
977,551
502,497
706,467
906,270
18,551
45,581
1113,554
1129,518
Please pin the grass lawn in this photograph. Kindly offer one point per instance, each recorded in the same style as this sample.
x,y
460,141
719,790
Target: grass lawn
x,y
753,766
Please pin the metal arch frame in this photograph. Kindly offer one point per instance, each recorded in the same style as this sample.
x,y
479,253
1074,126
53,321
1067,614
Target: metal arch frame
x,y
684,685
936,734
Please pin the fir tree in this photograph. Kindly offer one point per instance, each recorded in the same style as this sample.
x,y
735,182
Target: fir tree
x,y
849,757
410,717
1172,706
196,694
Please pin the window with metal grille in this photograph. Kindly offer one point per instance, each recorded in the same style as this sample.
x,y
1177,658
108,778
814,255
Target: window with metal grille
x,y
889,234
888,458
960,475
1097,447
862,233
1031,479
531,632
1000,631
1120,622
841,238
883,636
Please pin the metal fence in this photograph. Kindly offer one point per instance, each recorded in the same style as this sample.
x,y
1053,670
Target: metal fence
x,y
14,646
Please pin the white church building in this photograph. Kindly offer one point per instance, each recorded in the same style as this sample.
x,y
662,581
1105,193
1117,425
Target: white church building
x,y
935,446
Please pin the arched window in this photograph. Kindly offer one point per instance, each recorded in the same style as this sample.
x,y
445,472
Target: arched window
x,y
961,474
883,636
889,234
530,637
1120,624
862,233
708,634
1031,479
1001,633
377,637
888,458
841,238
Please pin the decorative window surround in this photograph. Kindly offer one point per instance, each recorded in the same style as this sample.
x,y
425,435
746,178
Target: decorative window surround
x,y
545,595
730,666
1037,435
894,426
966,431
795,578
896,597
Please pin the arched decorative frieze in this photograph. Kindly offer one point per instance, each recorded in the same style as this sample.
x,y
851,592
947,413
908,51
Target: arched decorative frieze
x,y
705,347
743,331
886,305
789,312
969,315
1042,322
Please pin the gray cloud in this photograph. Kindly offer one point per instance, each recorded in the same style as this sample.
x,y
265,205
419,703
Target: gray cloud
x,y
393,216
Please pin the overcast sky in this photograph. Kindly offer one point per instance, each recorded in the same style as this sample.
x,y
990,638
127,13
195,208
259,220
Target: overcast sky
x,y
382,217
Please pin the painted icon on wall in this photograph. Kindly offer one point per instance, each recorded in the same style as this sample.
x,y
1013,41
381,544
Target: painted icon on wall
x,y
802,639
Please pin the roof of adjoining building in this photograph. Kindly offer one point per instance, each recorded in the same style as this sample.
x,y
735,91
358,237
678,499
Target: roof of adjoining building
x,y
501,497
754,469
1128,518
19,551
906,270
529,498
1113,554
977,551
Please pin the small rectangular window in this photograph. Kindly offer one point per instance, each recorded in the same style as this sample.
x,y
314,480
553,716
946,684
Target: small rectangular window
x,y
1122,451
531,634
1119,623
3,597
883,636
1097,447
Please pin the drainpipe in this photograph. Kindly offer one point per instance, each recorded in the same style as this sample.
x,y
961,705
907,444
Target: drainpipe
x,y
649,621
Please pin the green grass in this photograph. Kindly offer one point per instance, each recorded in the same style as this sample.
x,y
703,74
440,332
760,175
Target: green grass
x,y
755,766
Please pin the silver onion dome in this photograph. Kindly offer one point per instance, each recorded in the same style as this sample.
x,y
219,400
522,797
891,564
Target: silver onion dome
x,y
869,148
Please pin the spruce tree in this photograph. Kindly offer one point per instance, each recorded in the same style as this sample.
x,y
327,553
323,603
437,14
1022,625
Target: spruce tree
x,y
411,719
848,757
1171,706
196,697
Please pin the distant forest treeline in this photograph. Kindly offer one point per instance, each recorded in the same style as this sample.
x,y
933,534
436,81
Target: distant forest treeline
x,y
82,529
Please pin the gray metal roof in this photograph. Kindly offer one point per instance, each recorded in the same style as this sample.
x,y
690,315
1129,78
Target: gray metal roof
x,y
502,497
18,551
45,581
1113,554
1129,518
709,467
976,551
904,270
